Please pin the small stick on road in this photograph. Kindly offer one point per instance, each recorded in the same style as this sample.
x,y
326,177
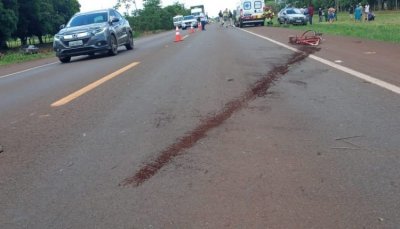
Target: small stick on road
x,y
349,142
346,148
357,136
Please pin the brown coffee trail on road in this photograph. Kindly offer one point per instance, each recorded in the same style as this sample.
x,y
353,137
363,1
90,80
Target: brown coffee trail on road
x,y
259,89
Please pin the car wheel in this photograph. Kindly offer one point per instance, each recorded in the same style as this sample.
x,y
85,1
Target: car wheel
x,y
113,46
130,44
65,59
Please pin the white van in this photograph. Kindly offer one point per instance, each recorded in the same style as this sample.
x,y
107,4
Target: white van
x,y
250,12
177,21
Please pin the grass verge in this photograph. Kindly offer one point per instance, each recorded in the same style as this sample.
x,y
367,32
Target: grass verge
x,y
14,58
385,27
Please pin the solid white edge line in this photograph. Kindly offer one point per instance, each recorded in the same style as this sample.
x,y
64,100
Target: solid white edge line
x,y
347,70
26,70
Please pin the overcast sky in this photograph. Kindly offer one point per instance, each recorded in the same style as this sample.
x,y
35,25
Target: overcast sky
x,y
212,7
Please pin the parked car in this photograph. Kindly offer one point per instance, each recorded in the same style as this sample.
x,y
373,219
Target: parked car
x,y
189,21
292,16
30,49
177,21
93,32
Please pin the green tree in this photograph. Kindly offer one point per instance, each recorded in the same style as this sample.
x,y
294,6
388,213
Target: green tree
x,y
63,11
153,17
8,21
27,13
170,11
44,23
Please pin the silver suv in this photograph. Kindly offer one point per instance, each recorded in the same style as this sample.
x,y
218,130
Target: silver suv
x,y
189,21
93,32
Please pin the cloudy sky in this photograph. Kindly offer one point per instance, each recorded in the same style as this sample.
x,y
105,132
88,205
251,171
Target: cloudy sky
x,y
212,7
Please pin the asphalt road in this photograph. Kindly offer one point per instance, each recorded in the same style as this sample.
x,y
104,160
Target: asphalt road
x,y
224,129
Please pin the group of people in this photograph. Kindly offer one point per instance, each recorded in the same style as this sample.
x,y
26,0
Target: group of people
x,y
226,18
329,14
361,13
357,13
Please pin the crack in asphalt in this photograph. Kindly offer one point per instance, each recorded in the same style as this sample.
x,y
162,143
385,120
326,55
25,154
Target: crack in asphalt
x,y
259,89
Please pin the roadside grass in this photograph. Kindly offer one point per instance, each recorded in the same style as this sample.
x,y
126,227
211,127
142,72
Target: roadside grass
x,y
385,27
14,56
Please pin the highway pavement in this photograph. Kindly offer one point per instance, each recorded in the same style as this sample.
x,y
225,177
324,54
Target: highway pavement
x,y
230,128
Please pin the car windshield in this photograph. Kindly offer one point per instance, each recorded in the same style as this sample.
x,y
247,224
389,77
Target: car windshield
x,y
293,11
87,19
177,19
189,17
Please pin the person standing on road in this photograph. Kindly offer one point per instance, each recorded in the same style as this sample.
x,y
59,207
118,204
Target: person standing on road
x,y
320,14
357,13
203,20
226,15
331,14
220,15
268,15
366,10
310,13
230,15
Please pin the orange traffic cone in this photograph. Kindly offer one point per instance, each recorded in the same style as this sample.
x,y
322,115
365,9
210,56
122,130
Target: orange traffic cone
x,y
199,26
191,29
177,35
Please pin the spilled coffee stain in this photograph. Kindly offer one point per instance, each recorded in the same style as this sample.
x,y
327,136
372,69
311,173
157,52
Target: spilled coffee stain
x,y
259,89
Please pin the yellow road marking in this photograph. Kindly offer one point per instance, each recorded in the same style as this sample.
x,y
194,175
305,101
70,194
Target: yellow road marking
x,y
92,86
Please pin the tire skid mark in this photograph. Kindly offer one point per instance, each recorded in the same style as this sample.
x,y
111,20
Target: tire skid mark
x,y
259,89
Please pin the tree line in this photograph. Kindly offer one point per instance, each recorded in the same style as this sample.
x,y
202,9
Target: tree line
x,y
22,19
26,18
152,17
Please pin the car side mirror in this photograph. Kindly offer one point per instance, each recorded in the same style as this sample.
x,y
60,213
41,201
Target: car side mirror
x,y
284,13
62,26
114,19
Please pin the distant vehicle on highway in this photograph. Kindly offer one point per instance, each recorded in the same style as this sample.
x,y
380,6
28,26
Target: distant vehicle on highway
x,y
292,16
250,12
177,21
189,21
93,32
197,11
